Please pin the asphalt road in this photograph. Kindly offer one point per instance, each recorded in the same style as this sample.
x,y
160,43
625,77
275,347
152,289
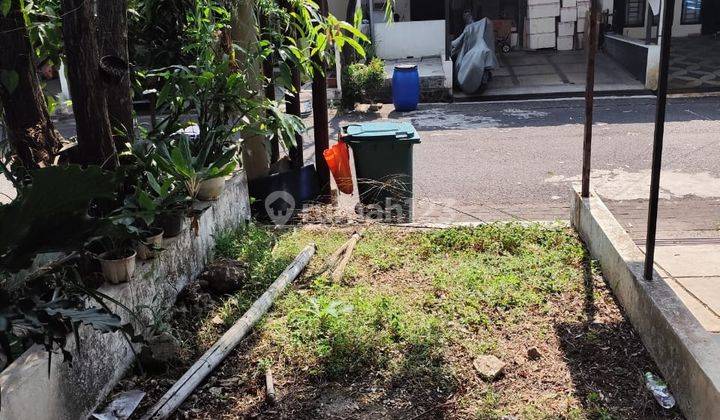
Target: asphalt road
x,y
525,155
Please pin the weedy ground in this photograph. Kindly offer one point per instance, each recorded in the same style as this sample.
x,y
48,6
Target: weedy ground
x,y
398,335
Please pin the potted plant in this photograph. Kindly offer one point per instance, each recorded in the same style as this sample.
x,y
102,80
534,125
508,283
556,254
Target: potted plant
x,y
114,250
202,172
150,242
118,265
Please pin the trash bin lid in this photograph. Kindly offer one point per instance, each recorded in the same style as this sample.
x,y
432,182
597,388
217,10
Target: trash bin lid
x,y
375,131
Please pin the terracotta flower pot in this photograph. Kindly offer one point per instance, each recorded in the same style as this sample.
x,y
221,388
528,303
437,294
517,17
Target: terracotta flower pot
x,y
211,189
118,266
149,244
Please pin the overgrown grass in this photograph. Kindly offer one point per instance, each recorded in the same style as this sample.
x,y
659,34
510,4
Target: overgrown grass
x,y
474,276
409,299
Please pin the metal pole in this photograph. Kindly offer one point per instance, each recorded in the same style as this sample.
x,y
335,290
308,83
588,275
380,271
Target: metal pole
x,y
648,24
667,13
447,30
320,118
589,95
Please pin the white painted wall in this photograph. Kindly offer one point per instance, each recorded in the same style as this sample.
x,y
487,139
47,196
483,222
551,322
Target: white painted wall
x,y
425,38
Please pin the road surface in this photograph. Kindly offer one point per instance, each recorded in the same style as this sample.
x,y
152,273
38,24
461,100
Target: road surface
x,y
518,160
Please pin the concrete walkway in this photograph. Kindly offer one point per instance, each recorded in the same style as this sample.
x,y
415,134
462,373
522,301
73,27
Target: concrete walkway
x,y
553,73
693,272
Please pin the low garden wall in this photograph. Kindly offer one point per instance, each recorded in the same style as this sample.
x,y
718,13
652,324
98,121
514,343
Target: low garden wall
x,y
685,352
30,391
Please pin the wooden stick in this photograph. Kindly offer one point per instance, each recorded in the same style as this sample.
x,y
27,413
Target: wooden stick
x,y
333,259
185,386
269,386
340,269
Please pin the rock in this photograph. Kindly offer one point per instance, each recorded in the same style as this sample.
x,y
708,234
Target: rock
x,y
215,391
533,353
160,350
489,367
224,276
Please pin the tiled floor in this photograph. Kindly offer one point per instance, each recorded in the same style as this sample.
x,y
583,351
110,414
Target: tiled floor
x,y
555,72
695,63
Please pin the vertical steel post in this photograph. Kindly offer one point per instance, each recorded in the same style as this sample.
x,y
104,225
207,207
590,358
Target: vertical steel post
x,y
668,13
648,24
320,118
589,96
447,29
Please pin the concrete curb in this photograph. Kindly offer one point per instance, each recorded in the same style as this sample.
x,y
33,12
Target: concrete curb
x,y
685,352
28,392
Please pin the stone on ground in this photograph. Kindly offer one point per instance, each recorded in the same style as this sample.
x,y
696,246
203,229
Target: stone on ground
x,y
489,367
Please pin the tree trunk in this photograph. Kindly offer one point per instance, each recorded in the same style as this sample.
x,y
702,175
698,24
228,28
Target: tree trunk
x,y
256,148
94,135
30,130
268,67
320,118
113,41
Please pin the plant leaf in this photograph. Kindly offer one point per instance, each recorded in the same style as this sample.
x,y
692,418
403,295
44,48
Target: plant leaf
x,y
9,79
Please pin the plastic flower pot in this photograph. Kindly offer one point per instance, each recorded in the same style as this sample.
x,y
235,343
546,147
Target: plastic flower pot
x,y
211,189
118,266
147,248
172,223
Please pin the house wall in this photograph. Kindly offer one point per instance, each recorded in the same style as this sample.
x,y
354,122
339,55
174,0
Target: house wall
x,y
678,29
409,39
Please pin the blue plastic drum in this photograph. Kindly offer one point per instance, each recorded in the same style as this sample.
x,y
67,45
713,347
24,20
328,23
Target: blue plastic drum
x,y
406,87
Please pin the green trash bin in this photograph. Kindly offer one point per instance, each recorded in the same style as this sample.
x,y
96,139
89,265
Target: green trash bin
x,y
384,167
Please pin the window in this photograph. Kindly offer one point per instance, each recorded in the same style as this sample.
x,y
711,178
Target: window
x,y
635,13
690,12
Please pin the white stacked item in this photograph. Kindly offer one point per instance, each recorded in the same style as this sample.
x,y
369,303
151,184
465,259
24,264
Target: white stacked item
x,y
565,43
543,9
582,8
581,25
539,41
566,28
540,24
568,14
569,3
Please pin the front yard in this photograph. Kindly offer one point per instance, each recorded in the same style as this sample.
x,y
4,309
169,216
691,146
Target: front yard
x,y
401,334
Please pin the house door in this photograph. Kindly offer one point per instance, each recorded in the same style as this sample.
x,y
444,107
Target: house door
x,y
710,16
618,16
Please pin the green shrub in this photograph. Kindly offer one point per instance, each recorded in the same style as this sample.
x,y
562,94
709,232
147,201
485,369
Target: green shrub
x,y
362,82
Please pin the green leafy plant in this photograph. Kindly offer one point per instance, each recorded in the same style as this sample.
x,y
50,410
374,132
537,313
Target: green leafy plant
x,y
193,168
362,82
51,213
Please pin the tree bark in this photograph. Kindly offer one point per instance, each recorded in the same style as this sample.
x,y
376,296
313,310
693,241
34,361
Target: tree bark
x,y
320,118
30,131
113,41
94,134
256,149
268,67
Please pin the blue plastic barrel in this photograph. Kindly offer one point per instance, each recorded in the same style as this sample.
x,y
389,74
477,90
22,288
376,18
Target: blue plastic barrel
x,y
406,87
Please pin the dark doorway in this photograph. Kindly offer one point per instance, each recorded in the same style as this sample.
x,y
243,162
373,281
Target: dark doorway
x,y
427,10
710,16
618,16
